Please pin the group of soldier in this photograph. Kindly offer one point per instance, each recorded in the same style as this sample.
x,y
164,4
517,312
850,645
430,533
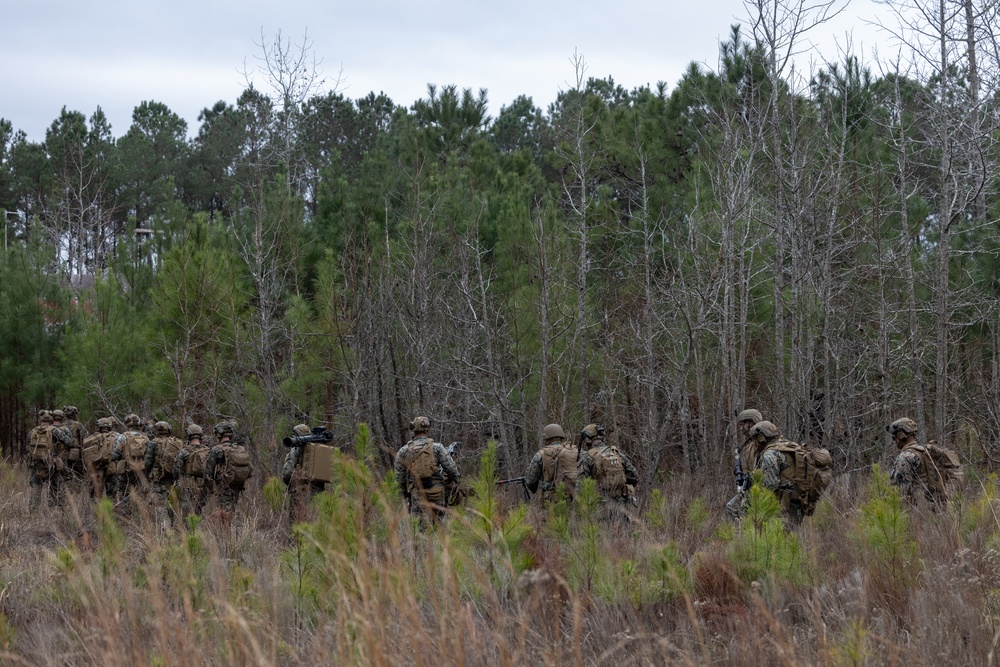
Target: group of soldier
x,y
798,475
429,479
137,459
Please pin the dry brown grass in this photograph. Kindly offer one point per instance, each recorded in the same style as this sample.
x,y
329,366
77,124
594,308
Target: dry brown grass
x,y
368,588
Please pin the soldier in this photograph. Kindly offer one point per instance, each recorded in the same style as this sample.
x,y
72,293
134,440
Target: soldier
x,y
555,464
745,450
128,461
300,489
76,472
227,467
46,447
425,471
774,456
611,468
158,466
97,449
926,471
189,470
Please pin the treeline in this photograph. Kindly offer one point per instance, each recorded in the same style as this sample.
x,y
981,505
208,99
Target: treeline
x,y
824,248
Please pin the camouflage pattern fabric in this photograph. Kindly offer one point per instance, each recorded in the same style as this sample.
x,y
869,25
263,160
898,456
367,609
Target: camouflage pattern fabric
x,y
51,472
300,491
588,462
227,496
536,477
906,476
429,490
76,472
772,464
191,489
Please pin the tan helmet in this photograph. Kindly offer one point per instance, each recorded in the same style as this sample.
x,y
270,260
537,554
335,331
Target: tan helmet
x,y
751,415
421,424
133,420
105,424
44,417
766,429
553,431
162,428
904,424
58,415
301,429
193,431
71,411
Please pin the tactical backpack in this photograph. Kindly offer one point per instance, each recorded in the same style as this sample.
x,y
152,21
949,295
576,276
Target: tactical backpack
x,y
41,446
236,467
559,466
195,464
167,449
809,469
134,451
97,450
421,464
609,471
940,469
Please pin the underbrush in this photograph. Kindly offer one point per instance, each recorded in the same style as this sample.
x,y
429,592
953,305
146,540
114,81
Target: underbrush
x,y
866,580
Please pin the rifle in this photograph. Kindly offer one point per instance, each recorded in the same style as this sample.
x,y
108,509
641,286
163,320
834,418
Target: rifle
x,y
743,479
451,448
517,480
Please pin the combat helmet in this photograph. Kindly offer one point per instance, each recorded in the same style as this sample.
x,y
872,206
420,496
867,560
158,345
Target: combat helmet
x,y
904,424
301,429
766,429
105,424
193,431
44,417
71,411
224,428
133,421
421,424
58,416
162,428
591,431
553,431
749,415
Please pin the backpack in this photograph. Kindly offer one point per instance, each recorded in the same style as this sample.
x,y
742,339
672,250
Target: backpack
x,y
195,464
97,450
421,464
41,445
809,469
559,466
317,463
167,449
134,451
609,471
940,469
235,468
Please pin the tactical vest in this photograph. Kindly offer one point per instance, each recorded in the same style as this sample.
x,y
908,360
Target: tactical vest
x,y
940,469
75,450
194,466
420,463
167,449
609,471
236,468
808,471
559,466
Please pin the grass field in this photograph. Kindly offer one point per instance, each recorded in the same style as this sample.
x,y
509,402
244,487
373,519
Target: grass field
x,y
866,580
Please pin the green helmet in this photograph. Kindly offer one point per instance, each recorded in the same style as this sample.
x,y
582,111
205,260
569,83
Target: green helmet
x,y
751,415
133,420
766,429
904,424
105,424
301,429
193,431
421,424
162,428
224,428
553,431
71,411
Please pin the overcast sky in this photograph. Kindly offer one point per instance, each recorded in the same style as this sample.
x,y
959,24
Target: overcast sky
x,y
88,53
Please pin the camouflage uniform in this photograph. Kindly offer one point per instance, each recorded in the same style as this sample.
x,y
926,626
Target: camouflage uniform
x,y
215,462
747,451
76,472
300,490
772,463
191,487
906,475
126,477
161,449
97,449
51,468
613,501
429,491
545,468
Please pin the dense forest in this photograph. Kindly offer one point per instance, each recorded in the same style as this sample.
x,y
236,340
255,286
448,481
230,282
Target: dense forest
x,y
821,245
